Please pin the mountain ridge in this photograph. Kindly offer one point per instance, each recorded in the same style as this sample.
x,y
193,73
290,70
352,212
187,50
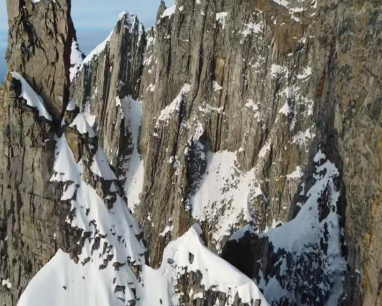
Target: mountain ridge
x,y
258,122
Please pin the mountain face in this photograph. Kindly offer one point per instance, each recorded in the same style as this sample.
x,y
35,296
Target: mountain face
x,y
230,155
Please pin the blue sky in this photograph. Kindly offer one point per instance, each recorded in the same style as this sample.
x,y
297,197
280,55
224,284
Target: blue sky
x,y
93,19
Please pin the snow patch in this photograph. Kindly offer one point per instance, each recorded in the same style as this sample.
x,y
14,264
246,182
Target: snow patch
x,y
82,126
216,86
76,58
221,18
224,194
173,107
296,174
169,12
33,99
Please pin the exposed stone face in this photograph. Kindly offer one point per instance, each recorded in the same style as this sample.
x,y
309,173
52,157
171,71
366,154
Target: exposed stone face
x,y
39,46
32,220
106,78
289,81
291,90
243,77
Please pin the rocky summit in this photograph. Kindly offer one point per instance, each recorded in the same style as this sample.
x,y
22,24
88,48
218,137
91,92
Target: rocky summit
x,y
230,155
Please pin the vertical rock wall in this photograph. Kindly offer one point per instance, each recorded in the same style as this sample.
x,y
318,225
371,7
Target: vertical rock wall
x,y
31,219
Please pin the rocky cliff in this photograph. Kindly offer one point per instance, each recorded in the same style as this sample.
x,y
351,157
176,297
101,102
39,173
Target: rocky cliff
x,y
257,119
31,222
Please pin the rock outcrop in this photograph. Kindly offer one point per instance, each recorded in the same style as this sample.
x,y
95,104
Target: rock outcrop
x,y
258,119
31,219
107,75
41,34
239,102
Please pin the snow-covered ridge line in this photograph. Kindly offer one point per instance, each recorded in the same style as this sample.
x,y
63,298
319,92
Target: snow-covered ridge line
x,y
314,232
33,99
188,254
96,51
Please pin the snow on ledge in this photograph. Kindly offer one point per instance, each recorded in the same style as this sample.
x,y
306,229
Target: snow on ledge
x,y
82,126
174,106
169,12
33,99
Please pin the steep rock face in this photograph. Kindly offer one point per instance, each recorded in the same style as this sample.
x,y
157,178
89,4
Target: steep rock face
x,y
348,111
246,108
259,113
39,46
225,86
358,122
108,75
31,221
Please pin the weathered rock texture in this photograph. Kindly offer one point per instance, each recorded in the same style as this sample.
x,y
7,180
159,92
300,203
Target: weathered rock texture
x,y
39,46
290,88
275,82
31,220
106,77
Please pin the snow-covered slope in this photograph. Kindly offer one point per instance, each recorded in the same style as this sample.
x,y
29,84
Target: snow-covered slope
x,y
191,273
104,264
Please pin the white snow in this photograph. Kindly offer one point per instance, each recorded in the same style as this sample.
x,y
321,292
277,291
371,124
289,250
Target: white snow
x,y
221,18
6,283
96,52
134,176
33,99
90,118
218,275
76,58
307,72
296,174
306,232
276,71
100,166
241,233
173,107
65,167
251,28
216,86
254,108
224,194
62,282
285,109
265,149
302,138
303,229
207,108
71,106
169,12
82,126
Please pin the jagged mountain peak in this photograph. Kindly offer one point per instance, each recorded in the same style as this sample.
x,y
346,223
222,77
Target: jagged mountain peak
x,y
227,156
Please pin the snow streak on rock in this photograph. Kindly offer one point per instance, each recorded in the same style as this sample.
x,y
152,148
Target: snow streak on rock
x,y
225,193
33,100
